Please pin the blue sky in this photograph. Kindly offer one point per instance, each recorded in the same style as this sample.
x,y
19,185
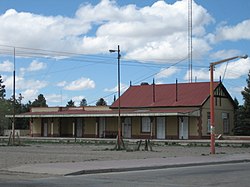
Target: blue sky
x,y
62,47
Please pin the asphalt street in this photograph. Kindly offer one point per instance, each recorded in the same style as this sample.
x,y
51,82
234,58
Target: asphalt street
x,y
222,175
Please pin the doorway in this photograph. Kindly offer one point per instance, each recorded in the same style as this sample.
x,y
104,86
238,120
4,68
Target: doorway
x,y
160,128
127,127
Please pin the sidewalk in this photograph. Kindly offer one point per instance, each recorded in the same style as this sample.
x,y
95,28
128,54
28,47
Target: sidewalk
x,y
90,167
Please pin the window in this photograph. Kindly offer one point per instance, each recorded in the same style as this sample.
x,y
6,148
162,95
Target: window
x,y
225,119
208,123
145,124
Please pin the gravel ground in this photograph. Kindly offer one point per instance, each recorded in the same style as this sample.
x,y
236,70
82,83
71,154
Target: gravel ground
x,y
11,156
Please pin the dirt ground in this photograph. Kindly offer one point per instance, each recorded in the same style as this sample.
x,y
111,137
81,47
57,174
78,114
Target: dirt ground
x,y
12,156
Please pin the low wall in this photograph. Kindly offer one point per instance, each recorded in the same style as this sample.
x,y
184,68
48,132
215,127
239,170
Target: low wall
x,y
17,132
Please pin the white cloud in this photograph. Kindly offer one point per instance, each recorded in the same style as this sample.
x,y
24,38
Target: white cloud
x,y
164,73
6,66
149,33
222,54
232,70
62,84
22,83
36,66
233,33
123,88
29,95
27,29
80,84
78,99
55,98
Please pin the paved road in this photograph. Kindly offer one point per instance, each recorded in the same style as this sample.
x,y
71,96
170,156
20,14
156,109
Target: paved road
x,y
222,175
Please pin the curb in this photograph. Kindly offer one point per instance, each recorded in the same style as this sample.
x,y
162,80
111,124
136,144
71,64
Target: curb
x,y
111,170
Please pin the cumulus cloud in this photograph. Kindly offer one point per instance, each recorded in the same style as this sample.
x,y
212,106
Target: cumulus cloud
x,y
123,88
36,66
55,98
62,84
80,84
78,99
29,95
232,70
6,66
22,83
222,54
153,32
164,73
27,29
232,33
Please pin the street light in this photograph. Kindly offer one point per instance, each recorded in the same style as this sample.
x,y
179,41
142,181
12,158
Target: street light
x,y
212,130
119,93
14,98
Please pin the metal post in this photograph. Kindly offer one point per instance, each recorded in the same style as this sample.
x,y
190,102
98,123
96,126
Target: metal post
x,y
119,101
14,98
119,93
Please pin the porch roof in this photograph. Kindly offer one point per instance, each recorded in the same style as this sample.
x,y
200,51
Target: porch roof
x,y
110,113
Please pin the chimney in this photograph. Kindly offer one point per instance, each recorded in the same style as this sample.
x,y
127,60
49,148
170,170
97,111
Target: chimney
x,y
176,90
144,83
153,90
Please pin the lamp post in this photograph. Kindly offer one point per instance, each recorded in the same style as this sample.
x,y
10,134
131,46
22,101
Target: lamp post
x,y
212,126
119,93
14,98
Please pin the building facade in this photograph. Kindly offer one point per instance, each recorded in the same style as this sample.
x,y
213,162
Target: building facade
x,y
162,111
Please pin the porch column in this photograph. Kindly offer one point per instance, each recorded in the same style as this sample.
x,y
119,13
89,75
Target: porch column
x,y
52,128
96,128
73,130
151,126
31,127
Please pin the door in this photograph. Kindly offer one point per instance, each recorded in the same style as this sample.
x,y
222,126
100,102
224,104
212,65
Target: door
x,y
183,128
79,127
127,128
102,127
160,128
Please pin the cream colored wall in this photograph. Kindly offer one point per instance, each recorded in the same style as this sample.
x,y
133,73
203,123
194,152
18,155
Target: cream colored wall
x,y
111,124
36,126
172,127
227,107
90,125
193,126
136,126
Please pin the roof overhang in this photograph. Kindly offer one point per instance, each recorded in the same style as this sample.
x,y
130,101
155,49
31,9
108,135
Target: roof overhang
x,y
111,113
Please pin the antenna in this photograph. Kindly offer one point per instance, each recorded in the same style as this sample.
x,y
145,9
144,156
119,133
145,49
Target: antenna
x,y
190,42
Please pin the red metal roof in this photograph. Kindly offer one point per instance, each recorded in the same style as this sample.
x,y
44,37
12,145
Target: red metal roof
x,y
165,95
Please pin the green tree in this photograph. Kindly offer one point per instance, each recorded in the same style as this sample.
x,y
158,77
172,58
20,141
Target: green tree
x,y
6,108
101,102
39,102
83,102
2,88
242,113
246,97
238,114
71,104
